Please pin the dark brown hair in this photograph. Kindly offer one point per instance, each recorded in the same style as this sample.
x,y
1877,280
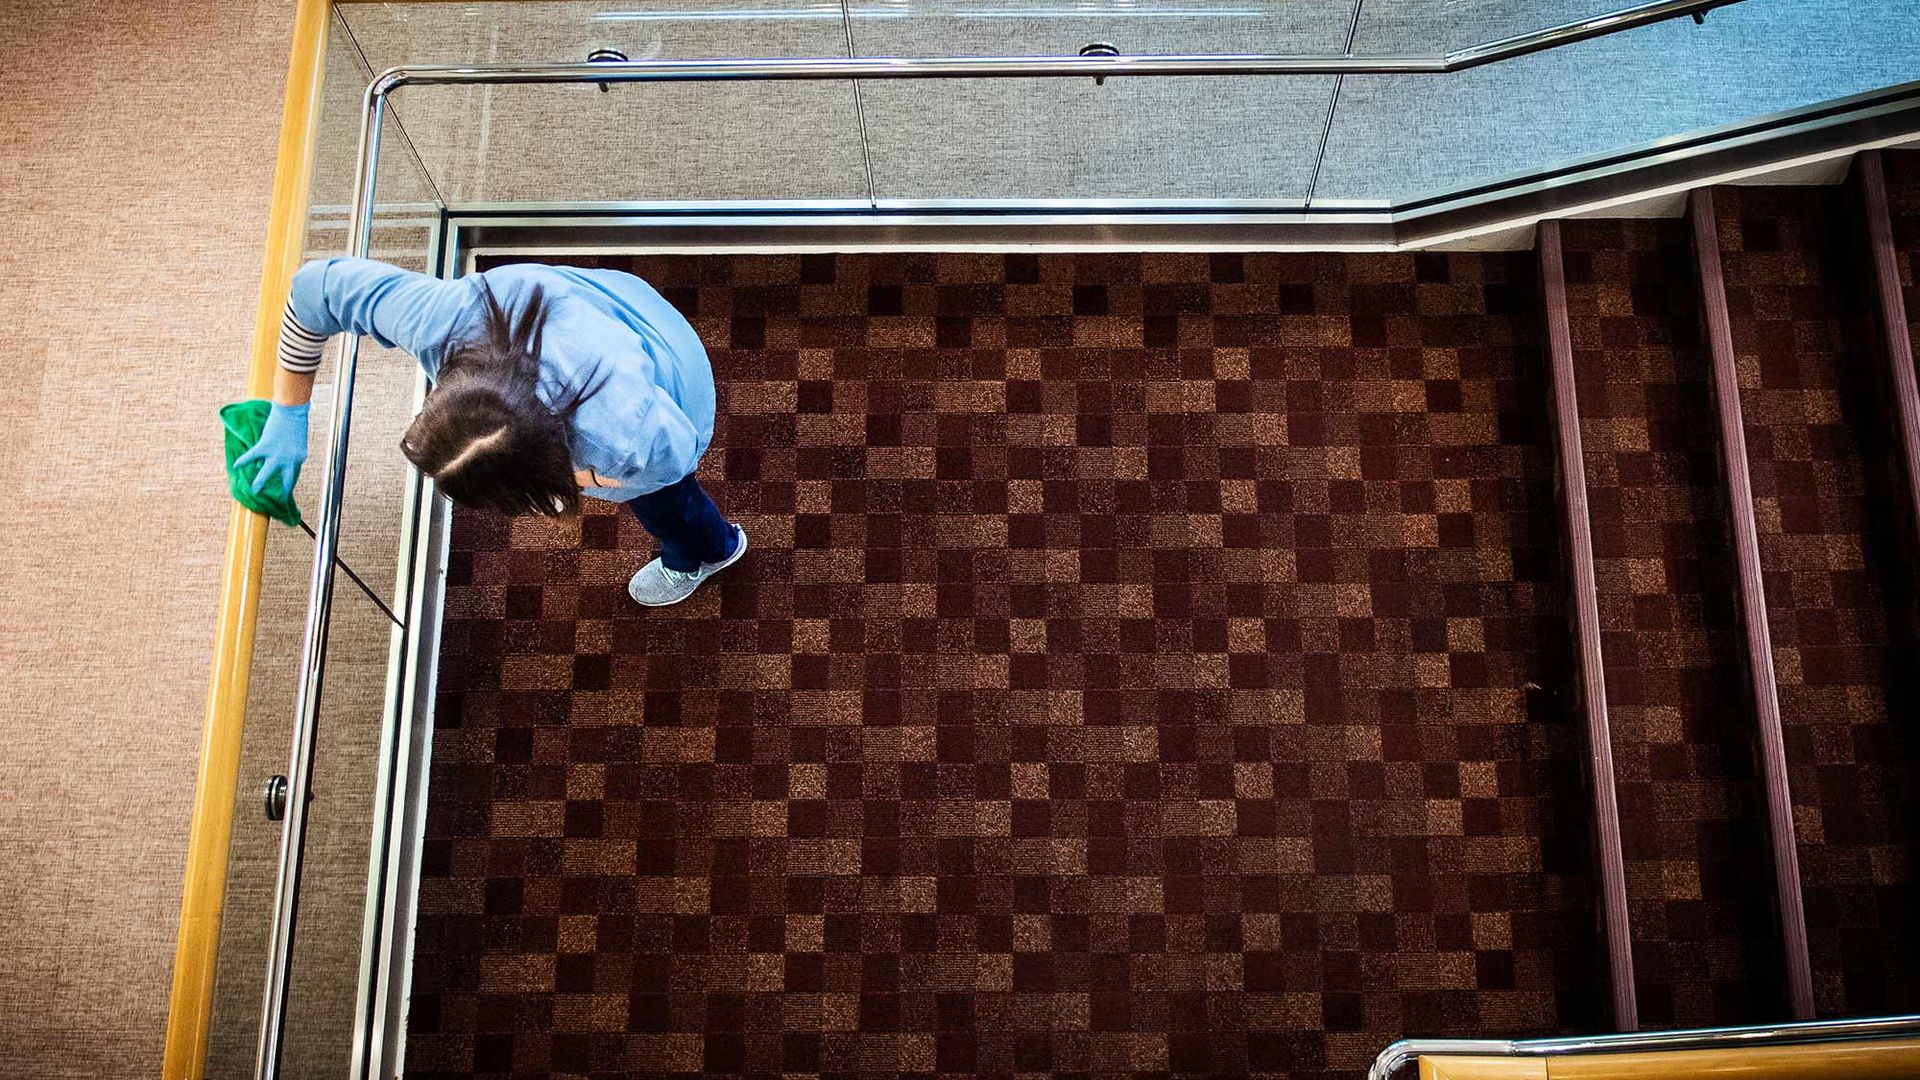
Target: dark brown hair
x,y
483,434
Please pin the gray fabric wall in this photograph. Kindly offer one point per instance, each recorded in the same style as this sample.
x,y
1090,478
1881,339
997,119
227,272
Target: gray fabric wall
x,y
1392,137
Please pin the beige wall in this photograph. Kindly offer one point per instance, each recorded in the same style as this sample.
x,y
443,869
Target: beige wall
x,y
136,155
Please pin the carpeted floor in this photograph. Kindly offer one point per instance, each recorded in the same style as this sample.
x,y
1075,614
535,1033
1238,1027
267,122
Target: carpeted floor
x,y
1145,665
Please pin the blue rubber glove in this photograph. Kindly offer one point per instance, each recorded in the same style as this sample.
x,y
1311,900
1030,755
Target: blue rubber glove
x,y
282,448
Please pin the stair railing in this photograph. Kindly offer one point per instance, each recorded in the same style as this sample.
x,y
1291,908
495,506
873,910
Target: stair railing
x,y
1405,1052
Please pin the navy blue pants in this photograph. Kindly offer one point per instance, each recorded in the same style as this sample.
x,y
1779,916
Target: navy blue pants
x,y
689,527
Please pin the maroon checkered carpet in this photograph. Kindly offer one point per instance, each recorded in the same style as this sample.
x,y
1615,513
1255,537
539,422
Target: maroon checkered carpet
x,y
1146,665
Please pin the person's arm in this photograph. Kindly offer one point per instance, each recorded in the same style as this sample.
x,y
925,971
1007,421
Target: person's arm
x,y
282,447
333,296
292,387
397,308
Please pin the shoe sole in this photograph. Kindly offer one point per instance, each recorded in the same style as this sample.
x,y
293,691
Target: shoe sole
x,y
728,561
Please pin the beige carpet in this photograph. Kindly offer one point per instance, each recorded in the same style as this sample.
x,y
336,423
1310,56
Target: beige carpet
x,y
136,156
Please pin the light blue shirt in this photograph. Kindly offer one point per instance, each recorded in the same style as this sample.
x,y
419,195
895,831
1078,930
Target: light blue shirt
x,y
648,407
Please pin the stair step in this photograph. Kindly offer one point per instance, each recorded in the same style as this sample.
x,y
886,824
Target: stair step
x,y
1698,880
1828,510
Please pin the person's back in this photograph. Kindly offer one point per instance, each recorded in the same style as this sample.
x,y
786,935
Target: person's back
x,y
626,362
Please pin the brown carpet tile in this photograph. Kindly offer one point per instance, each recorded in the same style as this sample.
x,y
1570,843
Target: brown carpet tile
x,y
1698,879
1146,665
1828,537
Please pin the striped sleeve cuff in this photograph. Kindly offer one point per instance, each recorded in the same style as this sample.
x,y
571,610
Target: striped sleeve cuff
x,y
300,348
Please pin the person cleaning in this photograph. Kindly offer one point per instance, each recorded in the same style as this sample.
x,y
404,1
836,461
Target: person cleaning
x,y
549,382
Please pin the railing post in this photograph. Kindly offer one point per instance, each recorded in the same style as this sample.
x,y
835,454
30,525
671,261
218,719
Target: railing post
x,y
313,660
1753,607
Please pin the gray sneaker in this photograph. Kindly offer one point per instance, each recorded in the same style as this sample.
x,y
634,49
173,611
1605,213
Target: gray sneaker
x,y
656,586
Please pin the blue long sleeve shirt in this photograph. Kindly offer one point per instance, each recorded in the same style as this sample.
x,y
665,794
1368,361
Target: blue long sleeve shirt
x,y
610,341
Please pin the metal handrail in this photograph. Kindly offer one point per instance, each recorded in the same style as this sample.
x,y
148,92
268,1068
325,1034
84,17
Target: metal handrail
x,y
1031,67
1400,1054
327,538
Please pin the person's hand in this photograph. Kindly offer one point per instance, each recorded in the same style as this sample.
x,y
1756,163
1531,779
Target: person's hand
x,y
282,448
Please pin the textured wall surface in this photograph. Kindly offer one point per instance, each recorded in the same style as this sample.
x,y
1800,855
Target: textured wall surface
x,y
136,155
1392,136
128,275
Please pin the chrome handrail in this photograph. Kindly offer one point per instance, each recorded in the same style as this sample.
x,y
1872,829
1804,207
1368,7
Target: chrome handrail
x,y
333,476
1400,1054
326,543
1037,67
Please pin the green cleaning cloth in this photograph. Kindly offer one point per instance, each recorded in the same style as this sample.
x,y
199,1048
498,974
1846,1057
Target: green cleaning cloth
x,y
243,421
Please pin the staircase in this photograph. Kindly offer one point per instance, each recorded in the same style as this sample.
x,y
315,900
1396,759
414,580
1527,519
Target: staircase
x,y
1173,665
1828,515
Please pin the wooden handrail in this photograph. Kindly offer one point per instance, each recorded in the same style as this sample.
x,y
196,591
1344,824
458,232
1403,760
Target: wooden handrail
x,y
1867,1059
196,949
1482,1068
